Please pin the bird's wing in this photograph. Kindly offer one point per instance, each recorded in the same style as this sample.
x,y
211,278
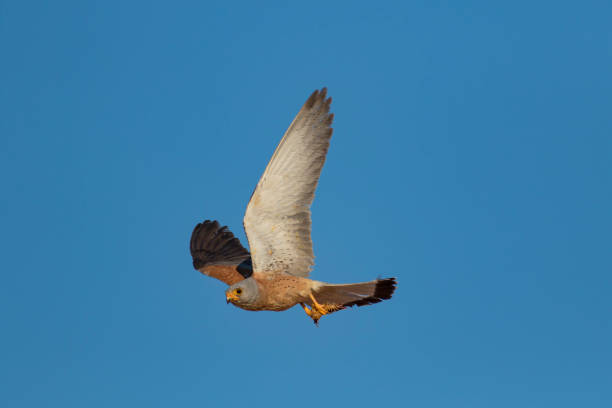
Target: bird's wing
x,y
277,219
218,254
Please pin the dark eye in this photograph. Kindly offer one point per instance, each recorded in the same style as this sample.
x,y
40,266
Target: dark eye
x,y
238,291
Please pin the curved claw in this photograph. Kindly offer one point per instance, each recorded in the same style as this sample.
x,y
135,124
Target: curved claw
x,y
313,314
317,310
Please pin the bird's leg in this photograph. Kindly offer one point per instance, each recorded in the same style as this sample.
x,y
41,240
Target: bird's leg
x,y
317,310
313,313
325,308
317,306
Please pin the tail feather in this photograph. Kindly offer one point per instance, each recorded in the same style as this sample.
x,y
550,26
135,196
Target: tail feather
x,y
356,294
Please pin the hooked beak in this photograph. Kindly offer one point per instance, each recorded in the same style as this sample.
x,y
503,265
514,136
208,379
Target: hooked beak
x,y
230,297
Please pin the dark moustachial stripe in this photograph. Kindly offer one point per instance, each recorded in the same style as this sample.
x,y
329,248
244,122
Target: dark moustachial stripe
x,y
213,244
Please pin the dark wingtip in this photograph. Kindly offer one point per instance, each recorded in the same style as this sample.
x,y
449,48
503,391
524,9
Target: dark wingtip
x,y
311,99
316,96
211,243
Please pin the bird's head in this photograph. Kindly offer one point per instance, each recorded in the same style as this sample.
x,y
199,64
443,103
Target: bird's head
x,y
243,293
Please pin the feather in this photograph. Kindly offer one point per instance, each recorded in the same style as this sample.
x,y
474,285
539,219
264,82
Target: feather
x,y
355,294
217,253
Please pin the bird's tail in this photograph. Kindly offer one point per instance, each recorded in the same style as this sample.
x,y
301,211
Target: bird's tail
x,y
355,294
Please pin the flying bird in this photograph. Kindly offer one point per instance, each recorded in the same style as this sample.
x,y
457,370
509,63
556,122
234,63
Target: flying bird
x,y
277,222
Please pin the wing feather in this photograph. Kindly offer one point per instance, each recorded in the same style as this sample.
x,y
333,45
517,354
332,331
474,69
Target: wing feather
x,y
277,219
218,254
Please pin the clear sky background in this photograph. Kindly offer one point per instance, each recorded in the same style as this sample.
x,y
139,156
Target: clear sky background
x,y
471,159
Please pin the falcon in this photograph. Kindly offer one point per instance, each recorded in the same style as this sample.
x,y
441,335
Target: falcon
x,y
277,222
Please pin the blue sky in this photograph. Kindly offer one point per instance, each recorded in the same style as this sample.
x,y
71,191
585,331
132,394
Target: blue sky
x,y
470,159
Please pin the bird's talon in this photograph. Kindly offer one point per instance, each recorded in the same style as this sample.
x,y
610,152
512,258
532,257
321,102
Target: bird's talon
x,y
317,310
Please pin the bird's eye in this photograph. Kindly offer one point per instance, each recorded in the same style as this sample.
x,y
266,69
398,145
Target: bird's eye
x,y
238,291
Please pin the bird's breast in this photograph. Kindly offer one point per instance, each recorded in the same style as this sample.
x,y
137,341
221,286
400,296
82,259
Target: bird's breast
x,y
280,291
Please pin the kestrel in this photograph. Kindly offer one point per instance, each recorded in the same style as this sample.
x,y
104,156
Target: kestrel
x,y
274,276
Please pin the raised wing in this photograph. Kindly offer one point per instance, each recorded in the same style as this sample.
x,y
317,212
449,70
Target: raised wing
x,y
218,254
277,219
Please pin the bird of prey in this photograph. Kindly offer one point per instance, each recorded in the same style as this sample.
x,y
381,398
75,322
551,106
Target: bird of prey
x,y
274,276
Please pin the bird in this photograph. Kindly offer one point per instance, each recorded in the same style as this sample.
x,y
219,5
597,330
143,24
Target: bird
x,y
274,275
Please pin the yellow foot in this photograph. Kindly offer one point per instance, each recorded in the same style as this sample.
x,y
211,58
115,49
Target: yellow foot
x,y
314,314
317,310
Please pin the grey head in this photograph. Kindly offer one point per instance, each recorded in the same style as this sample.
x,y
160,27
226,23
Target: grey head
x,y
243,294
